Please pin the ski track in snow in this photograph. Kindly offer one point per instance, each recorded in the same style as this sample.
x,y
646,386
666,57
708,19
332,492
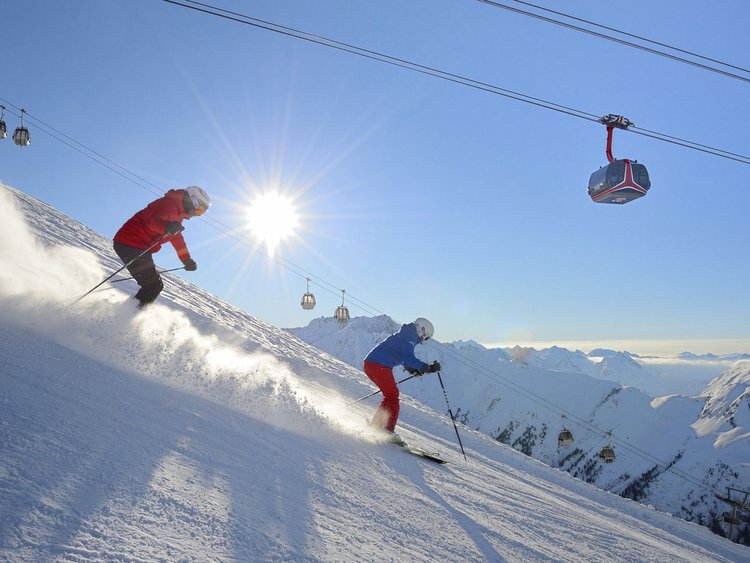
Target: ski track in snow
x,y
192,432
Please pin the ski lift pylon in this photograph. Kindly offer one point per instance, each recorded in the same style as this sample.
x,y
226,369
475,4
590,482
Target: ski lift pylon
x,y
21,135
308,299
740,508
622,180
342,313
731,518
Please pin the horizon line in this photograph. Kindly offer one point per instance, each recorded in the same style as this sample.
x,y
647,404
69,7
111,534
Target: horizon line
x,y
653,347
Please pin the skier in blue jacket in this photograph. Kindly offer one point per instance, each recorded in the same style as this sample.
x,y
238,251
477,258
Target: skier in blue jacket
x,y
397,349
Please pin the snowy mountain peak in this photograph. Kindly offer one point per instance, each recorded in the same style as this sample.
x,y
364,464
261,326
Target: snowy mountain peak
x,y
607,353
727,396
468,345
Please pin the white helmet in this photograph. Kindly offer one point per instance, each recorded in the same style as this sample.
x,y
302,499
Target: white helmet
x,y
200,200
425,330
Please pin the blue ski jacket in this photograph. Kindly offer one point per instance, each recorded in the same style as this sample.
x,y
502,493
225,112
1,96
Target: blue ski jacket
x,y
398,349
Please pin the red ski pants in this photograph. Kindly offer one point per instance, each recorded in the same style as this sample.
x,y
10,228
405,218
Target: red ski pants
x,y
387,414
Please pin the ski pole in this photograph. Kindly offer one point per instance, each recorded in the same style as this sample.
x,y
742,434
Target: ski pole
x,y
453,420
378,391
159,271
119,270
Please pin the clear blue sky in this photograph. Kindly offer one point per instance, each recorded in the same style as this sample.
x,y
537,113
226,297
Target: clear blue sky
x,y
416,195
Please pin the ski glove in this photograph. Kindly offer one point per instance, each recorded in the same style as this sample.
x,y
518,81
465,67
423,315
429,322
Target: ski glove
x,y
190,265
433,367
172,228
414,371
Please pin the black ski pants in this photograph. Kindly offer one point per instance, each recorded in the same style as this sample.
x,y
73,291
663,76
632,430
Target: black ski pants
x,y
143,270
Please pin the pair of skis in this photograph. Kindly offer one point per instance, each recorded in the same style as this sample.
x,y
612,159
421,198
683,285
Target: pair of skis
x,y
420,453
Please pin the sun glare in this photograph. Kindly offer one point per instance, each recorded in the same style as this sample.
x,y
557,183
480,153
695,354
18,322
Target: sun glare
x,y
272,218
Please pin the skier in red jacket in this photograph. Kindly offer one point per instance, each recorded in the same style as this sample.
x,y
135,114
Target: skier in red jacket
x,y
159,222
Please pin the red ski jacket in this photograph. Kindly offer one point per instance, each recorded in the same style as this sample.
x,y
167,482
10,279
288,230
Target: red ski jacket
x,y
148,225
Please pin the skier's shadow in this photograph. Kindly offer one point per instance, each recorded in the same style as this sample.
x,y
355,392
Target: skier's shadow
x,y
473,529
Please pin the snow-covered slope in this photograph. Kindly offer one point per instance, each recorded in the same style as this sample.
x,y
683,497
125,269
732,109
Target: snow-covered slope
x,y
191,431
675,452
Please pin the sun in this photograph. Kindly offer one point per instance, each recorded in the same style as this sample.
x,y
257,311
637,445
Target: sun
x,y
272,217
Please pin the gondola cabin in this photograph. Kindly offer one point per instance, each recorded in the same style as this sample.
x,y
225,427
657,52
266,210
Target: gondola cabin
x,y
607,454
21,137
308,301
565,438
3,129
342,314
620,181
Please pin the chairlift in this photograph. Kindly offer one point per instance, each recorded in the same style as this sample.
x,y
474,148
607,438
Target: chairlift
x,y
621,180
565,438
308,299
3,127
21,135
342,313
607,454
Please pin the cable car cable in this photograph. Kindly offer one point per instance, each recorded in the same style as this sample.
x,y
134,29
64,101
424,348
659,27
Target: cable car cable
x,y
639,37
622,41
690,144
71,143
381,57
208,9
